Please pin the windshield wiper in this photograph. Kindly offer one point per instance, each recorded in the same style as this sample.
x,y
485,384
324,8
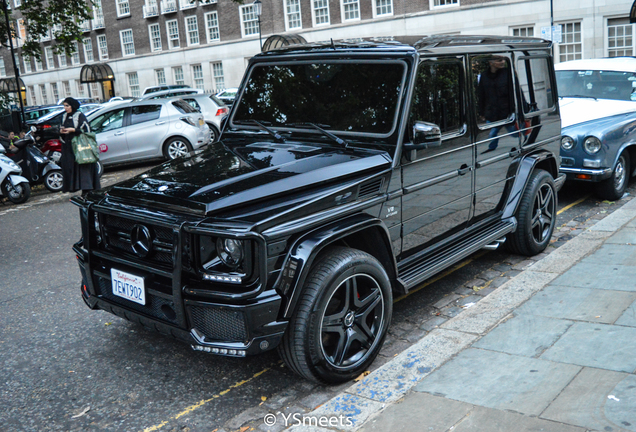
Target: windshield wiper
x,y
270,131
326,133
579,96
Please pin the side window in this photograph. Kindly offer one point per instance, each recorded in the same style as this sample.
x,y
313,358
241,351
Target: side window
x,y
193,104
108,121
438,96
535,84
144,113
492,81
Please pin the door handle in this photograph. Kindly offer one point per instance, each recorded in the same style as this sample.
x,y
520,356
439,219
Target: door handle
x,y
464,169
160,123
119,133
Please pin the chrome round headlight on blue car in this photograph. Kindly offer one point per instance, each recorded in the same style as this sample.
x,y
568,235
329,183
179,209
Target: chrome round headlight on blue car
x,y
592,145
567,143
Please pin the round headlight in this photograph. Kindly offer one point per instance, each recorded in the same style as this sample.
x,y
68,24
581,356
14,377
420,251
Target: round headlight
x,y
230,251
592,145
567,143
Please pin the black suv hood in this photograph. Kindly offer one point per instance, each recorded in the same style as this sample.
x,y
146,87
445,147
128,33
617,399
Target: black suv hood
x,y
219,177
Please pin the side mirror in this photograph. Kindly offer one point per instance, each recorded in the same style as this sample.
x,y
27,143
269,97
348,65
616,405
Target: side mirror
x,y
425,135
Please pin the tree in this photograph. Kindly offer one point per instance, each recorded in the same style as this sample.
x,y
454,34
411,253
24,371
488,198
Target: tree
x,y
62,17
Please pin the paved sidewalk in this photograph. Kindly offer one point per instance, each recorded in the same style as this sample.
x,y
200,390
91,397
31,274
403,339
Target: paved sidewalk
x,y
553,349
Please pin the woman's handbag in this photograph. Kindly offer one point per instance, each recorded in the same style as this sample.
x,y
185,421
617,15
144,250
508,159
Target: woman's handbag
x,y
85,148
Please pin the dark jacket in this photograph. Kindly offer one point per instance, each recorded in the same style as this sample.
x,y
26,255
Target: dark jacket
x,y
494,93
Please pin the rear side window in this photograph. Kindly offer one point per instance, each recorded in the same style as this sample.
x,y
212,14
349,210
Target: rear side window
x,y
193,104
535,84
492,81
183,107
217,101
144,113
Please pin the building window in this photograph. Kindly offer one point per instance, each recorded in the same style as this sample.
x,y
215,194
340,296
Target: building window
x,y
155,37
320,12
61,60
45,97
67,88
249,20
133,84
383,7
55,91
88,50
350,10
160,74
127,42
173,33
98,14
620,37
38,65
292,14
523,31
217,74
75,58
81,91
17,3
177,72
48,53
197,75
571,47
34,99
3,70
212,26
123,8
103,47
21,32
442,3
192,27
95,90
27,64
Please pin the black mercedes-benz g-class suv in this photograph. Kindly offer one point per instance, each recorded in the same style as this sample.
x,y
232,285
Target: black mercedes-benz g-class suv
x,y
347,173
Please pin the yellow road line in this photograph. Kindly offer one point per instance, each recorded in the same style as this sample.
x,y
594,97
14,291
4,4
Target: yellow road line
x,y
201,403
569,206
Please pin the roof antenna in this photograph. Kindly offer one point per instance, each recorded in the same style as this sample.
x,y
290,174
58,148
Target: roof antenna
x,y
332,45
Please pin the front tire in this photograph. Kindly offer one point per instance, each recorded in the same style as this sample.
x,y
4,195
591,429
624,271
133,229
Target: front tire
x,y
53,180
176,147
613,188
536,216
17,194
341,318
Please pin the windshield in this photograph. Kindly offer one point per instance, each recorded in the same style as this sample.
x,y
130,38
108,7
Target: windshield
x,y
351,97
597,84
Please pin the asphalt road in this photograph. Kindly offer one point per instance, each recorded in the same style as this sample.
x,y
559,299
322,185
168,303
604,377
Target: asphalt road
x,y
66,368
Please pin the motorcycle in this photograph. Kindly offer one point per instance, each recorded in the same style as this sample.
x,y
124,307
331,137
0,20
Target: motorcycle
x,y
37,167
52,149
12,185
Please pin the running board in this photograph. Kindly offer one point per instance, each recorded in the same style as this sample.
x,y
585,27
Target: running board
x,y
418,270
495,245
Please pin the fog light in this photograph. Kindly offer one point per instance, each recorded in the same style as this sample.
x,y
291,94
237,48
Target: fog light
x,y
589,163
583,177
222,278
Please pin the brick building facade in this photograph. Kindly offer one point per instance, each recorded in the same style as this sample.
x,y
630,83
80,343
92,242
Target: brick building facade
x,y
207,45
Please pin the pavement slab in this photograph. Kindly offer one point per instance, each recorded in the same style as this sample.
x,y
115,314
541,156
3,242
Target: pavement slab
x,y
499,380
597,399
600,276
526,335
581,304
601,346
491,420
612,254
629,316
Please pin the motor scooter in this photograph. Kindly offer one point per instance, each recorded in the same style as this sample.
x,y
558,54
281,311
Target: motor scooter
x,y
12,185
37,167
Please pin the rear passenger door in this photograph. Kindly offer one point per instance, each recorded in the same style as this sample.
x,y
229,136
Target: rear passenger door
x,y
146,131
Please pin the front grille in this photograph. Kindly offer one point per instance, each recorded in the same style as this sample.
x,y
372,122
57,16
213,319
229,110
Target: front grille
x,y
219,324
157,307
371,188
117,234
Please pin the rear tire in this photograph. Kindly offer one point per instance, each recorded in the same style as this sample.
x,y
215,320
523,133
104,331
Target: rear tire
x,y
536,216
215,134
100,169
613,188
53,180
341,318
176,147
16,194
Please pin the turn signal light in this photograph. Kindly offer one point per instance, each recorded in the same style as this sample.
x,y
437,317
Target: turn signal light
x,y
583,177
221,111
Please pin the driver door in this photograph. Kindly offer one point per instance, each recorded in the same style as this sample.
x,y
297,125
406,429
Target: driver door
x,y
111,137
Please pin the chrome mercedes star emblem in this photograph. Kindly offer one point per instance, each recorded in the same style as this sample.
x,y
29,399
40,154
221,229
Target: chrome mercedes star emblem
x,y
162,188
141,240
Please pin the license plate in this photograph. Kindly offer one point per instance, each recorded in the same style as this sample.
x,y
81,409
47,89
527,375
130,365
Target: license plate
x,y
128,286
201,122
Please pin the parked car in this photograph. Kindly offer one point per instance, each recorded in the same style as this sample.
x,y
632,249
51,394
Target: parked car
x,y
81,100
212,108
48,126
346,175
227,96
170,93
154,89
34,113
151,129
121,99
598,109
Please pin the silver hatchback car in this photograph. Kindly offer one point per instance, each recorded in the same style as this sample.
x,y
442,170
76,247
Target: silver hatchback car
x,y
149,129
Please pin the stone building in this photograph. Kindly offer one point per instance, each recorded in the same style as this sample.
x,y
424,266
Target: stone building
x,y
206,44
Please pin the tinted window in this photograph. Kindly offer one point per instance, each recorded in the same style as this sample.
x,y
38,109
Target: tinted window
x,y
108,121
144,113
438,96
356,97
193,104
183,107
535,84
217,101
493,84
597,84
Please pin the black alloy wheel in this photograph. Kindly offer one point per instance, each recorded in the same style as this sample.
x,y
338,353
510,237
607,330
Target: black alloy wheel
x,y
17,194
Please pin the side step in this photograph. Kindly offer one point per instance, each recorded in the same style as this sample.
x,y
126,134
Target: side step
x,y
494,245
422,268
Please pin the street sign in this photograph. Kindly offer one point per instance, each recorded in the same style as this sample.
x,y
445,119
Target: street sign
x,y
552,33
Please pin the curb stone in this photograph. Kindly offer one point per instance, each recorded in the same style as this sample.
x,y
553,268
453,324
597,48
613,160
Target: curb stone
x,y
367,398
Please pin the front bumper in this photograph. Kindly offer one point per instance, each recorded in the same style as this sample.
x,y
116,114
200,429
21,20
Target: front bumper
x,y
584,174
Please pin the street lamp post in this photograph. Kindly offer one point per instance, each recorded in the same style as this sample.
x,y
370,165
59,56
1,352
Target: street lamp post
x,y
16,71
258,10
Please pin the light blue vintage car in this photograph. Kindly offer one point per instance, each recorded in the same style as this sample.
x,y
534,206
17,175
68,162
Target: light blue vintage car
x,y
597,99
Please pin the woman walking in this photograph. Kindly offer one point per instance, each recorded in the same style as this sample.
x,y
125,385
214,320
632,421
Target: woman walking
x,y
76,177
